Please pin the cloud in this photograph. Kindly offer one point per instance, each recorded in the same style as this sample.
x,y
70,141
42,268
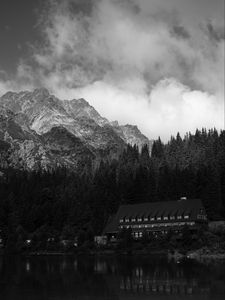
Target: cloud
x,y
148,62
117,40
169,107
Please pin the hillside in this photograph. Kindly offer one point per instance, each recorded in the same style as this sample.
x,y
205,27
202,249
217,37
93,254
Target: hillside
x,y
39,130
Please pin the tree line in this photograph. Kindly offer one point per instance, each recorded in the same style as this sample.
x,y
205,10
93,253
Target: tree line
x,y
65,203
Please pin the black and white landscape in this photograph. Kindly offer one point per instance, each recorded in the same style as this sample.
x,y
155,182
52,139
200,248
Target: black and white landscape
x,y
112,149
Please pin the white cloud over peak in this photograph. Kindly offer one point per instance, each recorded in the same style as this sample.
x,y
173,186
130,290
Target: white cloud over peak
x,y
168,108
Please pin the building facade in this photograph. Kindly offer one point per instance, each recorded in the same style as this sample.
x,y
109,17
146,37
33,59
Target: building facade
x,y
157,217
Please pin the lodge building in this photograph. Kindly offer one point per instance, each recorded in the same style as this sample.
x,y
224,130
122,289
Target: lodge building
x,y
157,217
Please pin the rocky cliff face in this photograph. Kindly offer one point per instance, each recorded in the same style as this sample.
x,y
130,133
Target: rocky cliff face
x,y
39,130
132,135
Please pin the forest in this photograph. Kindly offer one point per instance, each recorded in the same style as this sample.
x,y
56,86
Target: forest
x,y
65,203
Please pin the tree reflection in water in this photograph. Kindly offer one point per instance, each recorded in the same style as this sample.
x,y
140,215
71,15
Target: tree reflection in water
x,y
70,277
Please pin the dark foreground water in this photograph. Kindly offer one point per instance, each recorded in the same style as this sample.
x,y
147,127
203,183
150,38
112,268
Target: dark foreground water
x,y
88,278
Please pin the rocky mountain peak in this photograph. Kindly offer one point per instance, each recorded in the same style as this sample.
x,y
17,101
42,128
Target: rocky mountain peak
x,y
132,127
132,135
114,123
82,101
80,108
41,92
53,132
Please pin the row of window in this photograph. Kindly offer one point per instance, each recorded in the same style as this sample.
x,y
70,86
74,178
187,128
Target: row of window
x,y
157,225
146,219
139,234
202,217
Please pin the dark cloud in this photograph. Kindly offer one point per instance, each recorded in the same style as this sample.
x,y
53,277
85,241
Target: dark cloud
x,y
18,21
84,7
181,32
215,34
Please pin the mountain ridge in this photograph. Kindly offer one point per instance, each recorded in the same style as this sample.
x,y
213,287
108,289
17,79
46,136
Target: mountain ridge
x,y
33,121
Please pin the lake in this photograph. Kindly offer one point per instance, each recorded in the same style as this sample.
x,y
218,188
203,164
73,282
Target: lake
x,y
91,278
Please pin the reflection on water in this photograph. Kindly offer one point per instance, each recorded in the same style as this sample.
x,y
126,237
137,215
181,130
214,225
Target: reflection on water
x,y
92,278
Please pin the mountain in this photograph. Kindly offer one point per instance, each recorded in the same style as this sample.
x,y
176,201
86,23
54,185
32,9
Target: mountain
x,y
132,135
39,130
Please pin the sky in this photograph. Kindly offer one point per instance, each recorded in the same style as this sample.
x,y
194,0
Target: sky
x,y
158,64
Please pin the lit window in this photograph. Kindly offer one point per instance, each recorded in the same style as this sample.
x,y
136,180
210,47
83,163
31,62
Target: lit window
x,y
179,217
202,217
186,216
139,219
172,218
145,219
159,218
140,234
165,218
121,220
152,219
127,220
133,220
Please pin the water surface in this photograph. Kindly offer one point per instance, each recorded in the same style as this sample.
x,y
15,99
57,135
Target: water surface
x,y
89,278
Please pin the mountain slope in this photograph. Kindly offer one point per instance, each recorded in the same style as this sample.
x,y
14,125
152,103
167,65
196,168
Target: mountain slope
x,y
44,111
20,148
132,135
38,129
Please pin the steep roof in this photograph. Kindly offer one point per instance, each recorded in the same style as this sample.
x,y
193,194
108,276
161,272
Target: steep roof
x,y
155,209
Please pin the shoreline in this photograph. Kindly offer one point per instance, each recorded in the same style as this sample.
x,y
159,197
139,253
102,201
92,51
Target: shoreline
x,y
198,255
